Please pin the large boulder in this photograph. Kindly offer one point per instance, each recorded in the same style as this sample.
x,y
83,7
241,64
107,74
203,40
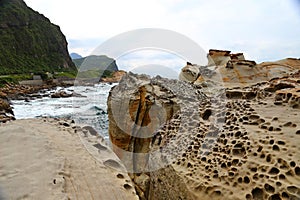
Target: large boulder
x,y
61,94
189,73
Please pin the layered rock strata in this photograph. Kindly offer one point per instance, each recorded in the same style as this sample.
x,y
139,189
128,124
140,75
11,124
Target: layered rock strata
x,y
236,73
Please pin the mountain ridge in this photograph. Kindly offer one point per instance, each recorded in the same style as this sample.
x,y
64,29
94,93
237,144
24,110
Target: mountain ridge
x,y
75,56
92,62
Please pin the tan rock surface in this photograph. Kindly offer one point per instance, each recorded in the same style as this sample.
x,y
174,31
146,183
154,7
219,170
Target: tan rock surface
x,y
218,57
190,73
116,77
235,142
242,73
47,159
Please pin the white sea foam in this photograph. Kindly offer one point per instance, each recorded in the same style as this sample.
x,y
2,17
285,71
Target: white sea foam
x,y
90,109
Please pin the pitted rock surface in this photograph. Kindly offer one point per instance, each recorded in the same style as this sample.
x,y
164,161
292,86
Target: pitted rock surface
x,y
210,143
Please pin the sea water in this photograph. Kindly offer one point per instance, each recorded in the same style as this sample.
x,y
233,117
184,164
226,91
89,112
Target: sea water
x,y
88,109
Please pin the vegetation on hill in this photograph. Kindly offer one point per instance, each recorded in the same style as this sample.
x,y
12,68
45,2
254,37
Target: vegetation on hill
x,y
29,42
95,66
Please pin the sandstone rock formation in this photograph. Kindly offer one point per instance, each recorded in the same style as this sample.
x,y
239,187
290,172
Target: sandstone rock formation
x,y
138,107
239,73
234,134
190,73
116,77
224,57
290,96
218,57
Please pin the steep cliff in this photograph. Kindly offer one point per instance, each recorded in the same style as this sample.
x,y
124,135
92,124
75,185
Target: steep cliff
x,y
29,42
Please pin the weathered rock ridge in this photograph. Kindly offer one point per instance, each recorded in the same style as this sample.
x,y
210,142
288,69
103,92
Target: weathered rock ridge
x,y
232,70
223,137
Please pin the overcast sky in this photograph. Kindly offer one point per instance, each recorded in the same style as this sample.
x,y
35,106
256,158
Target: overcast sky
x,y
264,30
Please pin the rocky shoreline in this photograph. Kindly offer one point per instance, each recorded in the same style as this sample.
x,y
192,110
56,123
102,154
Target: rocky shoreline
x,y
29,92
225,131
26,92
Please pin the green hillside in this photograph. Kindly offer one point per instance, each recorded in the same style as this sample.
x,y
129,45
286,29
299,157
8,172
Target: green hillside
x,y
95,66
29,42
96,62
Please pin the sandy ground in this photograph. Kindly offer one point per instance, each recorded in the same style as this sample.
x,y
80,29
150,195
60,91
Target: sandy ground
x,y
51,159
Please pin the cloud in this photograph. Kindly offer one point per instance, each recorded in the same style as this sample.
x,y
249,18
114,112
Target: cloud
x,y
154,70
247,26
84,47
142,59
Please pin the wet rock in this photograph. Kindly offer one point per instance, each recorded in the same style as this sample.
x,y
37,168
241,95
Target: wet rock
x,y
6,112
61,94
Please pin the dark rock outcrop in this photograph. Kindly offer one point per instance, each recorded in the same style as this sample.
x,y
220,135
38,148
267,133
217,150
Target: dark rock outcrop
x,y
26,93
61,94
6,112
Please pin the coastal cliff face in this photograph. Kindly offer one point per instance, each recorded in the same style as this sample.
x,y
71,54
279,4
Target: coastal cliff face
x,y
29,42
214,139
